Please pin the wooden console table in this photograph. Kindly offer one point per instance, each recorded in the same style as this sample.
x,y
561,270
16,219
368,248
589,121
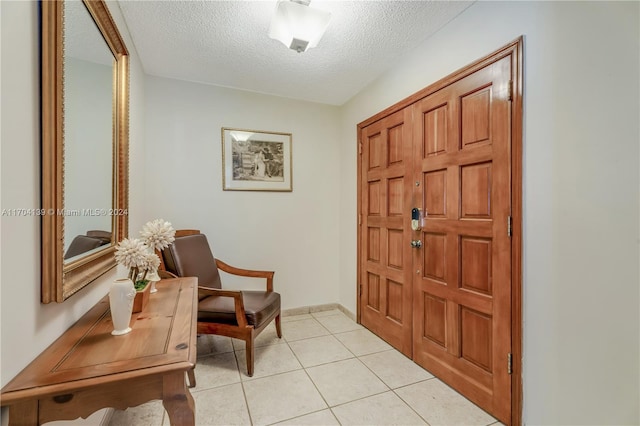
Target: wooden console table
x,y
87,368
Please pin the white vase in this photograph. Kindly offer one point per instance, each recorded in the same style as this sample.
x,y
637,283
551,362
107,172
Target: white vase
x,y
121,297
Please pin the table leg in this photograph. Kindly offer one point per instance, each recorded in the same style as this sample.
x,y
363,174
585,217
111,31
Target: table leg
x,y
24,413
192,378
177,400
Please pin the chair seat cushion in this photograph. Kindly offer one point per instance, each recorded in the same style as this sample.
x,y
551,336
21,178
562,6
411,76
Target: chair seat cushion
x,y
259,306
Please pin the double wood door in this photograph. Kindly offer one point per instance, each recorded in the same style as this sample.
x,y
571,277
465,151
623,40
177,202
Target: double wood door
x,y
440,290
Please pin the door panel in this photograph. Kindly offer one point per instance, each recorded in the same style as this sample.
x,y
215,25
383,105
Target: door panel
x,y
385,281
447,303
462,293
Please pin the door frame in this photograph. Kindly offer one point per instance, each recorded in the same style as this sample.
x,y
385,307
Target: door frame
x,y
515,50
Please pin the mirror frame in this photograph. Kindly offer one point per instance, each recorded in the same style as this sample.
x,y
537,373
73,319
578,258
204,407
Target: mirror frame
x,y
60,280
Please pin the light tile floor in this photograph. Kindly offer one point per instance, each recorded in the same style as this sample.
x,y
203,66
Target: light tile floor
x,y
326,370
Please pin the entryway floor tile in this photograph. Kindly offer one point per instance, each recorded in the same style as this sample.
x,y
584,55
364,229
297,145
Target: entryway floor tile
x,y
383,409
303,329
362,342
319,418
326,370
345,381
319,350
395,369
338,323
281,397
438,404
268,360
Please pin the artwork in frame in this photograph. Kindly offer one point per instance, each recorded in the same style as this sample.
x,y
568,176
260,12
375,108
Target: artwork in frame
x,y
255,160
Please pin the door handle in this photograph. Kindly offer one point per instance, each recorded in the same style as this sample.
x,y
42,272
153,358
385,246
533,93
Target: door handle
x,y
416,243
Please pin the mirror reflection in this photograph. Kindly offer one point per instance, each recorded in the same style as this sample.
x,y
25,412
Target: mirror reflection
x,y
88,134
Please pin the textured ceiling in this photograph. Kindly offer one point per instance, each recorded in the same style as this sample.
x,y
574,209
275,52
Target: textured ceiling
x,y
82,38
225,43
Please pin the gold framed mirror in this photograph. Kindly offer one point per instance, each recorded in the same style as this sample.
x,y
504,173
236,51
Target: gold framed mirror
x,y
85,144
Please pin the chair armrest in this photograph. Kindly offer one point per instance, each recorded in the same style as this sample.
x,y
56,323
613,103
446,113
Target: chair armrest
x,y
166,274
268,275
237,298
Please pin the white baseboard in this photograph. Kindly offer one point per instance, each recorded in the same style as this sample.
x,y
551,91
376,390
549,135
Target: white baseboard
x,y
318,308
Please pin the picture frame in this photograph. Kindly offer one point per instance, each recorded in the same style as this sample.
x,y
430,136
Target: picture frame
x,y
256,160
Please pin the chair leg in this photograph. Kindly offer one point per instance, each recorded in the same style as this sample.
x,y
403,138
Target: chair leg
x,y
192,377
250,354
278,327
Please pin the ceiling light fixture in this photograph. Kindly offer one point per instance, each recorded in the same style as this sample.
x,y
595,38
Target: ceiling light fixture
x,y
297,25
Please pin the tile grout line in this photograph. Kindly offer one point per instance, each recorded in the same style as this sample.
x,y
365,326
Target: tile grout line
x,y
300,416
303,368
244,393
235,351
406,403
393,390
354,356
332,334
311,380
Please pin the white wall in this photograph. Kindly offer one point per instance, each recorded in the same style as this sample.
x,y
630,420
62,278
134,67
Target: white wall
x,y
581,193
293,233
27,326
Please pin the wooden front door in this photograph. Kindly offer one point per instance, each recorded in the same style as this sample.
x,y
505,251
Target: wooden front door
x,y
462,287
448,151
385,273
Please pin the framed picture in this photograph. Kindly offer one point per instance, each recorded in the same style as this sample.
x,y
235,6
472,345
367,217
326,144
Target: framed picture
x,y
255,160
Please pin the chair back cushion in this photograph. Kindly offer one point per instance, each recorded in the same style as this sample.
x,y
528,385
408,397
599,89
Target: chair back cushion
x,y
101,235
82,244
190,256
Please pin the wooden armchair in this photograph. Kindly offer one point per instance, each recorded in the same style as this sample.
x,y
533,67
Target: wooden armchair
x,y
234,313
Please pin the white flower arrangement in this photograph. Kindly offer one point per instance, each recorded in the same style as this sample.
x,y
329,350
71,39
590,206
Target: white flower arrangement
x,y
138,255
158,234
